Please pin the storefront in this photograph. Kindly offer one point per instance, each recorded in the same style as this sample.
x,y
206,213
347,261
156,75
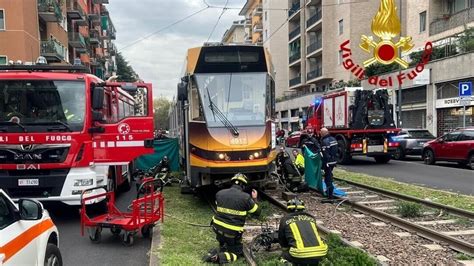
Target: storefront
x,y
450,115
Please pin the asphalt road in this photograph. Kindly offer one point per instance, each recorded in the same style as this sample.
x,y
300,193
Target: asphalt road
x,y
79,250
445,176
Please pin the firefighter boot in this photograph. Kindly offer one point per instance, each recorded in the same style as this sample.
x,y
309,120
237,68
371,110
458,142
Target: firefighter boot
x,y
211,256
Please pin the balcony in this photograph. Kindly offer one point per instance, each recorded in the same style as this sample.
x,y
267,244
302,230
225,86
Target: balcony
x,y
258,27
94,17
100,1
295,81
295,8
313,19
314,74
52,50
294,33
76,40
94,37
295,57
451,21
76,13
49,11
258,11
314,46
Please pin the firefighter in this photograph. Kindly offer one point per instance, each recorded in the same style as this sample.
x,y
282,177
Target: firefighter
x,y
329,149
233,206
299,161
299,237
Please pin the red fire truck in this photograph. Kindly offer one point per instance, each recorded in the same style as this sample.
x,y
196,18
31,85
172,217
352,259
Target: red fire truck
x,y
63,131
361,121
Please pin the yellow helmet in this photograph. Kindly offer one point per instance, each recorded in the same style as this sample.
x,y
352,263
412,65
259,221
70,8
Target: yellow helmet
x,y
240,178
295,205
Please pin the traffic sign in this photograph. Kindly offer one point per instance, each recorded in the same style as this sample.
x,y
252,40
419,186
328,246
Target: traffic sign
x,y
465,89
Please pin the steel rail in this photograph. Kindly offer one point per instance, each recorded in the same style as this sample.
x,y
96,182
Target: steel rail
x,y
453,210
455,243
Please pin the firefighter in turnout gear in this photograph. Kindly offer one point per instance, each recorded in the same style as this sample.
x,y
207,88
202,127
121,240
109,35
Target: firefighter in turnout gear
x,y
233,206
329,148
299,237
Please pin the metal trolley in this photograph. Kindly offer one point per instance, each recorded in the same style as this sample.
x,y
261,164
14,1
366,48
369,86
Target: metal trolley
x,y
145,212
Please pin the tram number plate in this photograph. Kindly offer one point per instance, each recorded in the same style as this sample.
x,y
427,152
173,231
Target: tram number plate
x,y
28,182
375,148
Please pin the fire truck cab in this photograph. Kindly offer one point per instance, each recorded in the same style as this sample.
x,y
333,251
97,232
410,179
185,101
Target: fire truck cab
x,y
64,131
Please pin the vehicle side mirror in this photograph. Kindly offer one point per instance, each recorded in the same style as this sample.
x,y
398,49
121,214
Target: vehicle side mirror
x,y
98,98
182,91
97,116
30,209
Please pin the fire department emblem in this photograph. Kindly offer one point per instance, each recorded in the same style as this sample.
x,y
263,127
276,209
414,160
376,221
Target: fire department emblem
x,y
386,25
124,128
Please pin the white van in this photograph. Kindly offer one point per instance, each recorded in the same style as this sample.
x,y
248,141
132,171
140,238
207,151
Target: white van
x,y
28,236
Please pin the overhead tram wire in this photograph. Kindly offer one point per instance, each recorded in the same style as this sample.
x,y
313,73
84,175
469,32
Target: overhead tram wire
x,y
224,9
287,9
164,28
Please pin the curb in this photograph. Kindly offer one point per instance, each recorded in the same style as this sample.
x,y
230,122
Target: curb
x,y
155,242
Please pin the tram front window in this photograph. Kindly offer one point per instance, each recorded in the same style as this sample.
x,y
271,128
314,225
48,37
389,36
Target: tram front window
x,y
239,96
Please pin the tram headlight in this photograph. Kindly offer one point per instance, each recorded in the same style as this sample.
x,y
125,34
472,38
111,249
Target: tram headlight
x,y
251,157
256,155
221,156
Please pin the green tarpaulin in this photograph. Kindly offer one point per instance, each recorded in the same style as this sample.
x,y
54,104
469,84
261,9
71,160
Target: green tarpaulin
x,y
312,172
168,147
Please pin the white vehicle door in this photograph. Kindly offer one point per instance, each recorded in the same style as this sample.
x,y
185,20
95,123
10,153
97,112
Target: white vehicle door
x,y
18,238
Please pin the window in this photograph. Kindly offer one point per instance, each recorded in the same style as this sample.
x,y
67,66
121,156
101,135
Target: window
x,y
455,6
423,21
339,57
468,135
266,34
341,27
3,60
295,112
451,136
6,214
284,114
2,19
266,16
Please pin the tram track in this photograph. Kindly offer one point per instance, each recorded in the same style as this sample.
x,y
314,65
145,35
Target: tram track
x,y
385,197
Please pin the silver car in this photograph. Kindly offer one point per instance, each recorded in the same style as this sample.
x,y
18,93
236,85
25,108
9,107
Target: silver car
x,y
411,142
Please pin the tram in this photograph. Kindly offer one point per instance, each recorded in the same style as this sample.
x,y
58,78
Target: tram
x,y
224,114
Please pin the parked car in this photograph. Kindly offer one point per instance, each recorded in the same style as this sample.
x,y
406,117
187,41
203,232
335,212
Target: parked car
x,y
411,142
293,140
456,146
28,236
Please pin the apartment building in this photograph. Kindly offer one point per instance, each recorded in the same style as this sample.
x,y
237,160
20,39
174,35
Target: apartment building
x,y
63,31
265,24
235,34
315,30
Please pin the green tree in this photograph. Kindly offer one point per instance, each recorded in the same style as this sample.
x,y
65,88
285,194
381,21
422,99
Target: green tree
x,y
161,106
124,70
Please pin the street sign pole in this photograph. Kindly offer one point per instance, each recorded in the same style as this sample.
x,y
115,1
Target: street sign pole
x,y
465,94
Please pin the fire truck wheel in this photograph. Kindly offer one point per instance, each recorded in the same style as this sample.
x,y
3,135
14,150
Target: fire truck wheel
x,y
146,231
343,156
53,256
115,231
127,239
95,234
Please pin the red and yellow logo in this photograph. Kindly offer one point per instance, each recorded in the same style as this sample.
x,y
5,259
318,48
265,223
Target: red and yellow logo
x,y
386,25
385,49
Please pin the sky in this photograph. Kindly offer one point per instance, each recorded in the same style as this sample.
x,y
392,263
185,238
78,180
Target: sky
x,y
159,59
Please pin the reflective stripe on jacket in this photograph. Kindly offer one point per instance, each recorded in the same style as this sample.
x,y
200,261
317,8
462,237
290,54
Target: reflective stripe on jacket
x,y
298,232
233,206
299,161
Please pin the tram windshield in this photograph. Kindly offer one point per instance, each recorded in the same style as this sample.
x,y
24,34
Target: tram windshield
x,y
239,96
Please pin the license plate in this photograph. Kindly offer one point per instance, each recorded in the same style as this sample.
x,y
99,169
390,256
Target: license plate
x,y
375,148
28,182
